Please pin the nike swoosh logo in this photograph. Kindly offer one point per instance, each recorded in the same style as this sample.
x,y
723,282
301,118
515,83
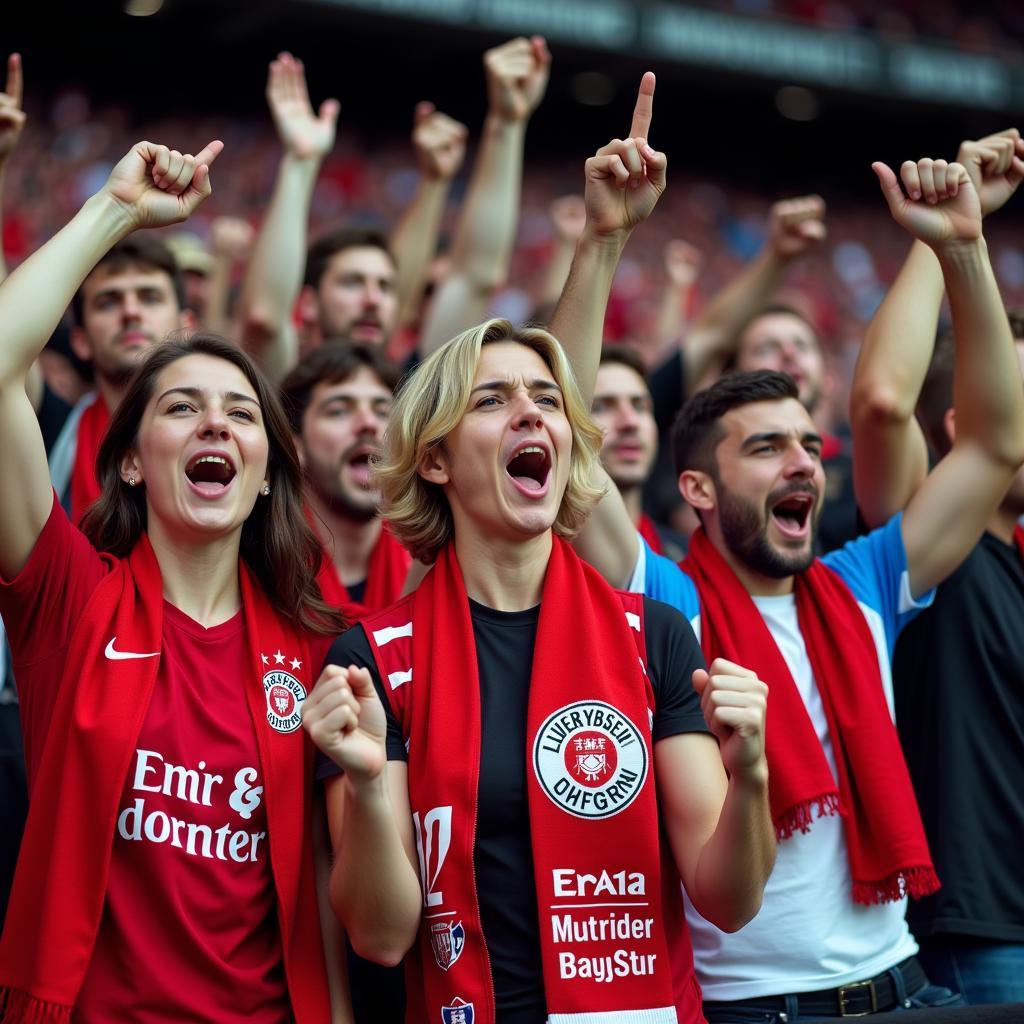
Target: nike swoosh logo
x,y
124,655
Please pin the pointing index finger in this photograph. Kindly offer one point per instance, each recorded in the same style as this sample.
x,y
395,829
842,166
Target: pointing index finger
x,y
643,112
13,86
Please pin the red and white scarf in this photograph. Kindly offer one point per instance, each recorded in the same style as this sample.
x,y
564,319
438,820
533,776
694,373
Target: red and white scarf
x,y
85,488
885,839
593,808
385,577
61,879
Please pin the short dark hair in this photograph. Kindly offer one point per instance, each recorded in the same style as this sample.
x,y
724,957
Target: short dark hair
x,y
137,252
697,429
329,245
625,356
936,397
332,363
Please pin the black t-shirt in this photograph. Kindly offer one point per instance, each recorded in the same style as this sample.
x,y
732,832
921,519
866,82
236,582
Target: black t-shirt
x,y
958,674
503,858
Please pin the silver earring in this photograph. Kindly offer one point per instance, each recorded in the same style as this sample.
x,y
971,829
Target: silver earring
x,y
131,481
265,491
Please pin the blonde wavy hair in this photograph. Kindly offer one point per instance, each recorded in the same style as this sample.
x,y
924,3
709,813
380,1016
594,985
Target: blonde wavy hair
x,y
432,402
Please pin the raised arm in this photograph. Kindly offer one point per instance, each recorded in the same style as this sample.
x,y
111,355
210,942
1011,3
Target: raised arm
x,y
948,513
718,821
374,885
12,121
517,76
274,278
795,227
230,244
624,181
568,216
890,453
150,187
440,144
683,263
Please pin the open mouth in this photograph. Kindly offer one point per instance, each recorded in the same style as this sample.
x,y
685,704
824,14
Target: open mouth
x,y
792,514
530,468
360,465
210,474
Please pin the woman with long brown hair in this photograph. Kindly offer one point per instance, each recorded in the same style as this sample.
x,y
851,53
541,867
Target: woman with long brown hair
x,y
162,655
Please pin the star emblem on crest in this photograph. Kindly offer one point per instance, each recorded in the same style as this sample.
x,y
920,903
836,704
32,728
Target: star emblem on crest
x,y
278,658
296,664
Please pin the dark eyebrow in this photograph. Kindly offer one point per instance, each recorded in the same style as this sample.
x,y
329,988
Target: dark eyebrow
x,y
196,393
540,384
777,435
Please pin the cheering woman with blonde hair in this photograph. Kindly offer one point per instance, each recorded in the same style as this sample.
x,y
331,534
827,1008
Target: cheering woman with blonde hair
x,y
516,738
161,656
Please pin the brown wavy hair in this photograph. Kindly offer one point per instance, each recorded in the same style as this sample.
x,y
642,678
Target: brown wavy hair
x,y
277,542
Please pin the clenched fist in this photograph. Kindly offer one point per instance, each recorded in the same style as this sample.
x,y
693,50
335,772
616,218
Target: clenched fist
x,y
517,76
735,702
796,225
995,166
941,205
345,719
439,141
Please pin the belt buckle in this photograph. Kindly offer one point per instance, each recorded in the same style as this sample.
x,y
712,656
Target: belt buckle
x,y
843,994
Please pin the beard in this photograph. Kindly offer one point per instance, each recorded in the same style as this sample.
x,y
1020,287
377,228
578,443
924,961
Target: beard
x,y
745,532
345,500
343,503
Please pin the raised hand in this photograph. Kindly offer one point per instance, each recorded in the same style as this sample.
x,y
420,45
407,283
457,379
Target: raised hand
x,y
439,141
625,179
683,263
995,166
941,204
735,702
796,226
345,719
156,186
569,216
302,133
517,76
12,117
231,238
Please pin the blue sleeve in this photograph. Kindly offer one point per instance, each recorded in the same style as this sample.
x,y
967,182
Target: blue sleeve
x,y
874,567
661,579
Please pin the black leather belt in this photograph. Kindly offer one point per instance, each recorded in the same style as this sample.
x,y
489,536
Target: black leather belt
x,y
857,999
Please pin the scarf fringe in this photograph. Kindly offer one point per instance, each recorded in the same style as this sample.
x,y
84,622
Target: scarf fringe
x,y
799,817
914,882
19,1007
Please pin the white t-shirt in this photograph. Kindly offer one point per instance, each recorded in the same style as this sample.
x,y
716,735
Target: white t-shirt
x,y
809,934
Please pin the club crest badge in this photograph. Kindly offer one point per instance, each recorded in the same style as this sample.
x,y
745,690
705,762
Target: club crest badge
x,y
590,759
285,695
459,1012
447,941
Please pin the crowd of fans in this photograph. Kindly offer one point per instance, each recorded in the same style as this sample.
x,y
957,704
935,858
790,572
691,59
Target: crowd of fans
x,y
340,608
